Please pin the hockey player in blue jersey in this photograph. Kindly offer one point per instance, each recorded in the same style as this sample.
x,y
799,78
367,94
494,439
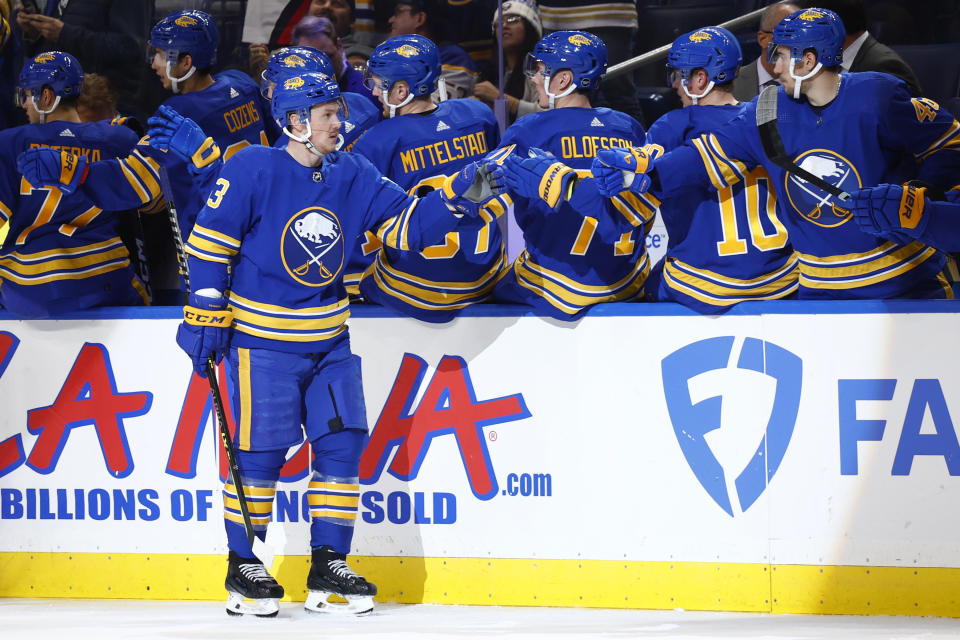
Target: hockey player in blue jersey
x,y
853,130
903,213
267,257
581,248
291,61
63,253
227,106
420,144
723,247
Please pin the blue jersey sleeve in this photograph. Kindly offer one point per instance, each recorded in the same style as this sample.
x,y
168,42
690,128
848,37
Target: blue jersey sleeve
x,y
927,131
131,182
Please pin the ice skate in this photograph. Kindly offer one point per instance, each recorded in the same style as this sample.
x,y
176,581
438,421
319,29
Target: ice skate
x,y
251,590
330,576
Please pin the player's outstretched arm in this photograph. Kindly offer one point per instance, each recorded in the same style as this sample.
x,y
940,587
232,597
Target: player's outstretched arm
x,y
618,170
906,213
117,184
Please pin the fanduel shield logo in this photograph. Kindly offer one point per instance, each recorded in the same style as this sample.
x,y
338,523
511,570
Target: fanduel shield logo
x,y
719,398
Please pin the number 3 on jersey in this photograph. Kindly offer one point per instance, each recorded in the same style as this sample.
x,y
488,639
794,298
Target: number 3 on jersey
x,y
214,200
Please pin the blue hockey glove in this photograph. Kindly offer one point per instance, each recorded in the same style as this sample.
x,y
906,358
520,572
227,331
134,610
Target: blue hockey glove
x,y
205,330
891,211
169,131
540,175
622,169
45,168
468,190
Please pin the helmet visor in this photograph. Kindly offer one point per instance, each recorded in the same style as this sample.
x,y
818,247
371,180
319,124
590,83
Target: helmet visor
x,y
773,53
266,85
531,66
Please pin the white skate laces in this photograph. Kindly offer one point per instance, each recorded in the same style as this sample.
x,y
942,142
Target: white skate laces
x,y
342,569
255,572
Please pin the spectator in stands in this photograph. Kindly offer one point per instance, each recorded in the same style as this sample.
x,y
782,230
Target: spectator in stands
x,y
98,101
759,73
521,31
342,13
424,18
10,115
861,51
320,33
106,36
466,26
614,22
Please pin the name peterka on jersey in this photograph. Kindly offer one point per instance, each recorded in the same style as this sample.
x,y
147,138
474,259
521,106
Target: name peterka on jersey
x,y
92,155
444,151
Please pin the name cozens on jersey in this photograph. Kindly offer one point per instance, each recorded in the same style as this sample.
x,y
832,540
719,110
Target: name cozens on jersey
x,y
92,155
312,247
243,116
811,202
444,151
586,146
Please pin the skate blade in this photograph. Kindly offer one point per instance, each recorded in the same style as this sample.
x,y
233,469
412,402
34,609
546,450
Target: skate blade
x,y
319,602
237,605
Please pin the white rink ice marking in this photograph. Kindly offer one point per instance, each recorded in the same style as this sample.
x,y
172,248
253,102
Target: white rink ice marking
x,y
122,619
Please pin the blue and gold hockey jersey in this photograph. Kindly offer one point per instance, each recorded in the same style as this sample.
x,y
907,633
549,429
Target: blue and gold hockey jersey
x,y
277,234
62,252
862,138
232,112
725,246
575,258
416,151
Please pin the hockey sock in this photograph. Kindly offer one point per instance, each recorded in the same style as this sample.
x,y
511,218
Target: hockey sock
x,y
259,472
334,492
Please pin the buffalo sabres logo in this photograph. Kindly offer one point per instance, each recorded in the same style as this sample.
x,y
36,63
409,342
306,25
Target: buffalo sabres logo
x,y
811,14
185,21
700,36
294,60
44,57
293,83
578,39
813,203
408,50
312,247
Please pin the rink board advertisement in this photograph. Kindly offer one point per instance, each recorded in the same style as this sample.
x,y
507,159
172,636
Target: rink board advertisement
x,y
759,461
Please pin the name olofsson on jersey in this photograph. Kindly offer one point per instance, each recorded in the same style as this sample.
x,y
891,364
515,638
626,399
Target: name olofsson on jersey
x,y
92,155
241,117
443,152
586,146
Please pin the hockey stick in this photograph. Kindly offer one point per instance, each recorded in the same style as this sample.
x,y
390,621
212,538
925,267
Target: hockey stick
x,y
221,416
773,144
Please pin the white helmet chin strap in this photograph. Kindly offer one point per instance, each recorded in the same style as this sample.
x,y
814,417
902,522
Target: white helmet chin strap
x,y
799,79
553,97
305,140
394,107
694,96
44,114
174,86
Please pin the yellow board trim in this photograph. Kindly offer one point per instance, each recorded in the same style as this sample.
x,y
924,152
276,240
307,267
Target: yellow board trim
x,y
521,582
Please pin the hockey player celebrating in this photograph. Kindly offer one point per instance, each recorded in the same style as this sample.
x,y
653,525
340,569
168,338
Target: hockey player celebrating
x,y
417,146
291,61
851,130
62,252
266,258
728,247
227,106
581,248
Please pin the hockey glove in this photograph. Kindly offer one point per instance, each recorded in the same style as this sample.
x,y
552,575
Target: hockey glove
x,y
540,176
891,211
468,190
618,170
44,168
169,131
205,330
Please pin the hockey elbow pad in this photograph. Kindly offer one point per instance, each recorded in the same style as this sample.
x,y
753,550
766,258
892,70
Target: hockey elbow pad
x,y
46,168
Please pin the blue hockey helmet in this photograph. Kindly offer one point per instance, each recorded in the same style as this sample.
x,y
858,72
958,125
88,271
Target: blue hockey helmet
x,y
55,69
189,31
818,29
713,49
298,94
411,58
583,53
294,61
